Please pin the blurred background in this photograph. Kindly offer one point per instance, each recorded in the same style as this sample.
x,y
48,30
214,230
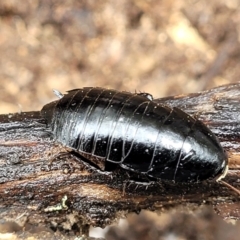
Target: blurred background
x,y
163,47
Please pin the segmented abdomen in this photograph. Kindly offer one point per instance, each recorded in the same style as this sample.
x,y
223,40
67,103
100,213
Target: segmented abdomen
x,y
108,126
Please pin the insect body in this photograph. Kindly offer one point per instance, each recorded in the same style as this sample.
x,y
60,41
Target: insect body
x,y
112,128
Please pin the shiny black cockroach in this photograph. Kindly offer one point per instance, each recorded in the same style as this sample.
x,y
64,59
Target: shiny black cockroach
x,y
112,128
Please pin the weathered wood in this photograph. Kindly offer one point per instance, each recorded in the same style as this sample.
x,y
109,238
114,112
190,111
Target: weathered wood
x,y
37,173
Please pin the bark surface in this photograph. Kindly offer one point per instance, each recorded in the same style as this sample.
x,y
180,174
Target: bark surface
x,y
42,183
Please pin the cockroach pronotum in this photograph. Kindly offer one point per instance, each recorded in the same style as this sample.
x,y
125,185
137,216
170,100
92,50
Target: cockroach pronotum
x,y
129,130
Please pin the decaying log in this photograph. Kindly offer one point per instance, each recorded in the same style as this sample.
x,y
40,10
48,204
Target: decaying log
x,y
43,183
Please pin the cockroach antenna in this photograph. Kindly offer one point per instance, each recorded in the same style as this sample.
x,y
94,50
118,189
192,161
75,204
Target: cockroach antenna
x,y
219,179
230,186
58,94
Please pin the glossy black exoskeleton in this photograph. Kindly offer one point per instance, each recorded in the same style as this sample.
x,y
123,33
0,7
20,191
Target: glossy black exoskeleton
x,y
109,128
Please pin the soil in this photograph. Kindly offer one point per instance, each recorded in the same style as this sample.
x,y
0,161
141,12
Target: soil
x,y
161,47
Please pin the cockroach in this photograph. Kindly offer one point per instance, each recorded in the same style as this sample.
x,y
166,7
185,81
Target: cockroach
x,y
129,130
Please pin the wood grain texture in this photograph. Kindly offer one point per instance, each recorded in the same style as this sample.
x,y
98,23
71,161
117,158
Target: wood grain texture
x,y
36,172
